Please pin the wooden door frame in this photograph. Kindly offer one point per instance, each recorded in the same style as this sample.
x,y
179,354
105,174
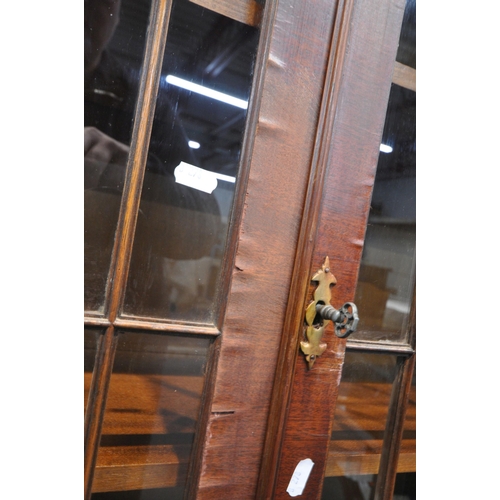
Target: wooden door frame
x,y
272,203
356,92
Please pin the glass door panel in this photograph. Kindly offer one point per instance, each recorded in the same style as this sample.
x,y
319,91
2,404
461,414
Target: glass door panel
x,y
407,54
193,165
387,273
193,156
114,35
359,422
149,386
151,414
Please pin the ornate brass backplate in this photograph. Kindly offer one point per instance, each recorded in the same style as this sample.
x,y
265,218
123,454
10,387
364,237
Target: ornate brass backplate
x,y
313,347
319,313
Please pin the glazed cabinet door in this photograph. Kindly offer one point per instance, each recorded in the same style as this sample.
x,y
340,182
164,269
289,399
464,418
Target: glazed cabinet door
x,y
200,123
230,147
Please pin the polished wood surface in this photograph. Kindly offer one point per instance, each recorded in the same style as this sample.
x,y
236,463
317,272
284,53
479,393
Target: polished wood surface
x,y
405,76
266,248
352,156
301,271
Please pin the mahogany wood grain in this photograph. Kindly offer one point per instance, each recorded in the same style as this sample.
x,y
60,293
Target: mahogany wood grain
x,y
271,216
132,323
352,157
300,280
307,170
405,76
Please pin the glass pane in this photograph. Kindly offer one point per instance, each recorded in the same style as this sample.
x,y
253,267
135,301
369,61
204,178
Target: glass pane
x,y
114,44
91,342
358,426
405,487
151,414
193,165
407,42
387,273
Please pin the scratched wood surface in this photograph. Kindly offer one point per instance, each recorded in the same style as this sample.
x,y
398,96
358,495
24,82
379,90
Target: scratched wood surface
x,y
273,203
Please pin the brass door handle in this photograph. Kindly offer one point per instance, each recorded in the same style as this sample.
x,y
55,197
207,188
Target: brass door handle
x,y
319,312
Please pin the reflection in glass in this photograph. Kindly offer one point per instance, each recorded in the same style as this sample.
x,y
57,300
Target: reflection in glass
x,y
193,165
406,486
91,342
358,426
407,42
114,44
151,414
387,273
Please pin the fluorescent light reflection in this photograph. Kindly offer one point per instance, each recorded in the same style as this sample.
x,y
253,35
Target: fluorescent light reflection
x,y
385,148
223,177
194,145
214,94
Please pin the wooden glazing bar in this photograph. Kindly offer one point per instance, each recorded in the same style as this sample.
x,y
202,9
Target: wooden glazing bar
x,y
388,469
136,165
97,403
405,76
95,321
301,270
380,347
130,323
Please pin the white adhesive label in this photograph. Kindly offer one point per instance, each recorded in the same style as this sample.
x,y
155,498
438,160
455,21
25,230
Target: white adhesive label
x,y
195,177
300,477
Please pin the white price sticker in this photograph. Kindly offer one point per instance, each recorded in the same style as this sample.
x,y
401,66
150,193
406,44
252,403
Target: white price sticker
x,y
195,177
300,477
